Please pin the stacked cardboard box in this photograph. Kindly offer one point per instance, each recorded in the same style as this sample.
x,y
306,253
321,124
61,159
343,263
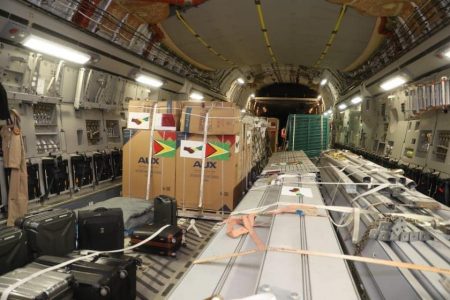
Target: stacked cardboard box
x,y
136,148
221,189
233,148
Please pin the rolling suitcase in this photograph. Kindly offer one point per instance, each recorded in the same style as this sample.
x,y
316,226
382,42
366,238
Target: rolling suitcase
x,y
126,266
95,281
13,249
166,243
50,232
49,286
165,209
100,229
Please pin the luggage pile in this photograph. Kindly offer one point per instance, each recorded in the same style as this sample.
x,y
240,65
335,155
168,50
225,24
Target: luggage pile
x,y
201,153
55,238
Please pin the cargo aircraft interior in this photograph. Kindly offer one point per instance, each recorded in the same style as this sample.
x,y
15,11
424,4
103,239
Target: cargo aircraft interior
x,y
224,149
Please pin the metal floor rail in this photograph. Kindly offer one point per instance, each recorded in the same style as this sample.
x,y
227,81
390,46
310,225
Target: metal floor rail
x,y
287,276
392,238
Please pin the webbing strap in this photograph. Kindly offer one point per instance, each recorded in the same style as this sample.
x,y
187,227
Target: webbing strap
x,y
202,172
245,225
367,260
150,154
356,221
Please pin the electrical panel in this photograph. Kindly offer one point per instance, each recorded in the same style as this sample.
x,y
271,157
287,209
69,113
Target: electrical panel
x,y
423,145
441,145
113,130
46,128
93,131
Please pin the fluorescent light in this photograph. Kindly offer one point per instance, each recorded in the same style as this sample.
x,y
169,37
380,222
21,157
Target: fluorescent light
x,y
252,95
326,113
393,83
323,82
446,53
356,100
329,111
243,110
391,97
240,80
150,81
54,49
342,106
196,96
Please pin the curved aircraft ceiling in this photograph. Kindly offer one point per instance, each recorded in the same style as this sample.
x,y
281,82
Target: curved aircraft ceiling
x,y
298,32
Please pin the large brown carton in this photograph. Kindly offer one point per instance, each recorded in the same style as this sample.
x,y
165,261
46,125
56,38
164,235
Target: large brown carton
x,y
140,114
223,120
207,104
135,164
221,181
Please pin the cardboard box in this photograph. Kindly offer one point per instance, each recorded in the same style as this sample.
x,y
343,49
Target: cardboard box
x,y
221,188
135,164
207,104
222,121
140,114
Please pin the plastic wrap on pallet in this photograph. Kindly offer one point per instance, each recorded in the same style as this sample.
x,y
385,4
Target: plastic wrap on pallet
x,y
308,133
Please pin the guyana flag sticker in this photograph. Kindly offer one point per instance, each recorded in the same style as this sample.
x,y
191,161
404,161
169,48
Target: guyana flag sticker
x,y
164,148
217,151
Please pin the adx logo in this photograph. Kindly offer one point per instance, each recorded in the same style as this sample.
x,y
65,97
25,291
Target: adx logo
x,y
209,164
144,160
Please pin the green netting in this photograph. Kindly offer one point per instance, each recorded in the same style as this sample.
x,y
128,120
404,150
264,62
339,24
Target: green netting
x,y
308,133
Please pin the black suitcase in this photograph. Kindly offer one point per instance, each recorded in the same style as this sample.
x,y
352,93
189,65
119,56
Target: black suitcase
x,y
165,210
13,249
101,229
95,281
52,285
50,232
126,266
166,243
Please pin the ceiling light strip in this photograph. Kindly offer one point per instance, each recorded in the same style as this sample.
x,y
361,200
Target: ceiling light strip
x,y
201,40
332,36
264,30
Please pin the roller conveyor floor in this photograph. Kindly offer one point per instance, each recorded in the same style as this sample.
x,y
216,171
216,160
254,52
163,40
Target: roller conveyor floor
x,y
287,276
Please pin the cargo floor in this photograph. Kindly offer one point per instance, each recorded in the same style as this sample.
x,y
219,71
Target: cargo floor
x,y
159,274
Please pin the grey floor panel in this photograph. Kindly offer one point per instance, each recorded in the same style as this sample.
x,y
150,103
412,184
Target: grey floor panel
x,y
158,274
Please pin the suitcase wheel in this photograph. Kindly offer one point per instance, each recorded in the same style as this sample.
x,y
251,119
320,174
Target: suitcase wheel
x,y
104,291
123,274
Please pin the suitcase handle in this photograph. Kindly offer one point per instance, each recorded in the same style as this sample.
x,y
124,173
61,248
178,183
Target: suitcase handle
x,y
164,199
100,209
